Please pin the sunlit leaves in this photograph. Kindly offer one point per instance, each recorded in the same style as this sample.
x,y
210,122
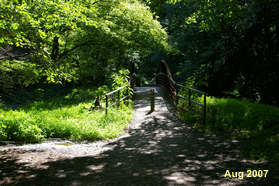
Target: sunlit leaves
x,y
54,29
26,72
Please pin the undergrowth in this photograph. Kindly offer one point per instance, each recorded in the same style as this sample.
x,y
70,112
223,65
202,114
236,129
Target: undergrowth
x,y
73,116
244,120
62,119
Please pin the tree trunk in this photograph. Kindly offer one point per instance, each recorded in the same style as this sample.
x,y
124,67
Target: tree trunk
x,y
54,56
39,89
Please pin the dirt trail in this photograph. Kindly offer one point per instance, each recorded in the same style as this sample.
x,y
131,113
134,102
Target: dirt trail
x,y
156,149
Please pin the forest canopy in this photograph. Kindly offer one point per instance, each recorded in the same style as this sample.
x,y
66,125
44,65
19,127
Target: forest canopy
x,y
63,40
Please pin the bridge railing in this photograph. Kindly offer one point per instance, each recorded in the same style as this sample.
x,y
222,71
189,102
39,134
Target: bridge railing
x,y
118,99
190,101
116,93
133,81
168,84
164,80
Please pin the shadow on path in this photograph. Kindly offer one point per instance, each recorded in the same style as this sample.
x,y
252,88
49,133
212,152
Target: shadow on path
x,y
158,149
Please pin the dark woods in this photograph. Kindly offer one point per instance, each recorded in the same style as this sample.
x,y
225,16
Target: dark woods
x,y
225,48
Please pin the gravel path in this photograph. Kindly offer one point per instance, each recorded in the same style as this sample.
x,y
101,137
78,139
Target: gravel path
x,y
155,149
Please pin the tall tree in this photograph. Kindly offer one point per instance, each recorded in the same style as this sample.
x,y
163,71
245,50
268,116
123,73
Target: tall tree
x,y
53,31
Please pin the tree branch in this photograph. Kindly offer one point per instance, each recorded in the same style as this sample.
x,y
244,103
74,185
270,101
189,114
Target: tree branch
x,y
75,47
15,57
7,52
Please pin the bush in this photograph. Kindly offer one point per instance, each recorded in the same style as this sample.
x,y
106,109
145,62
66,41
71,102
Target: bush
x,y
116,80
233,114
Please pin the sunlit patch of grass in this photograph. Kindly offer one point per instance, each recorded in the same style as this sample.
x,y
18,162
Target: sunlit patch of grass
x,y
62,119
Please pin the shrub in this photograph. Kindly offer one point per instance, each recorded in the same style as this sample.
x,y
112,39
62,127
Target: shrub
x,y
230,114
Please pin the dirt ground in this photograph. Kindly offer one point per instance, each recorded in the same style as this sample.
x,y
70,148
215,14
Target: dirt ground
x,y
155,149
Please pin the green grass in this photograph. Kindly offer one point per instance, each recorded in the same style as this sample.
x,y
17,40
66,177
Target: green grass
x,y
62,119
63,112
244,120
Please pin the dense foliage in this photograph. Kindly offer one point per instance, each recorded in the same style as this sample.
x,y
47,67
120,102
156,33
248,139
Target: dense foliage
x,y
59,41
225,47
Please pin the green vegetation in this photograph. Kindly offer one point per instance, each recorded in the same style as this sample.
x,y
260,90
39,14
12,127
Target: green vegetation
x,y
75,116
59,41
244,120
62,119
